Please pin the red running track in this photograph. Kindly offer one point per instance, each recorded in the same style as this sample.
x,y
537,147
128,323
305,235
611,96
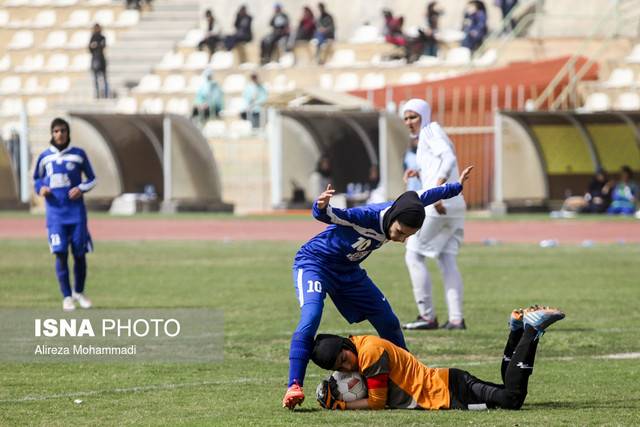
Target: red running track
x,y
476,231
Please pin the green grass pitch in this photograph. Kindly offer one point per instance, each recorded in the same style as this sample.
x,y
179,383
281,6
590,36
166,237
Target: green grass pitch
x,y
598,287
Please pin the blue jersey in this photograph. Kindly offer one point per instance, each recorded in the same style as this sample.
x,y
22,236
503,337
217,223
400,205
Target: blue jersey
x,y
61,171
354,233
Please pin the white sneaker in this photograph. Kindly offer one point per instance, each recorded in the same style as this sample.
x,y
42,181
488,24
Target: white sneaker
x,y
82,300
67,304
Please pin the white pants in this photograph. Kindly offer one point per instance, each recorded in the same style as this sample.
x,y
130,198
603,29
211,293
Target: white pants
x,y
444,246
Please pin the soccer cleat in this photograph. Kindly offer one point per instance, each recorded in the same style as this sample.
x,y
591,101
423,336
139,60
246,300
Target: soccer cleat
x,y
541,317
454,326
82,300
515,320
67,304
422,324
293,397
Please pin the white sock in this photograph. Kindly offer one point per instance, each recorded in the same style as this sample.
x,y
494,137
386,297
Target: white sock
x,y
421,283
453,287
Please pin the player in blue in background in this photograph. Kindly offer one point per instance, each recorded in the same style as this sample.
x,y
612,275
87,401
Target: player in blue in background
x,y
58,178
329,263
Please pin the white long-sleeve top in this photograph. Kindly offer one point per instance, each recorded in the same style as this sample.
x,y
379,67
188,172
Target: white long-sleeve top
x,y
436,158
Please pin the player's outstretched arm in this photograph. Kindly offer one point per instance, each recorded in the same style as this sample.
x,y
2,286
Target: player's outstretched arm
x,y
465,174
323,199
446,191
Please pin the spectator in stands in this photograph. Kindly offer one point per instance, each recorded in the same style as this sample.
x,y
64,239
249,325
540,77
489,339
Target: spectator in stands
x,y
279,31
255,95
595,200
243,33
306,29
505,7
137,4
209,100
325,34
429,32
97,45
321,177
393,29
624,195
474,26
212,34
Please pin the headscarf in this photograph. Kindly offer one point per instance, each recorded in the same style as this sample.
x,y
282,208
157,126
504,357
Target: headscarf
x,y
420,107
60,122
327,347
406,209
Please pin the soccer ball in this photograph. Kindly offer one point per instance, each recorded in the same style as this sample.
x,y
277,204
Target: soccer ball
x,y
351,386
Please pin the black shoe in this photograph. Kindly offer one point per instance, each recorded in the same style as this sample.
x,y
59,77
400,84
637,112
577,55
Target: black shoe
x,y
453,326
421,323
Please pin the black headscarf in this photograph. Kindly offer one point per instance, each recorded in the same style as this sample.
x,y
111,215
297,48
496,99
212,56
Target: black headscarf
x,y
407,210
327,347
60,122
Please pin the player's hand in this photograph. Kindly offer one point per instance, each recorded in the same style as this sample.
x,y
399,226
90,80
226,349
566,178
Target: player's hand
x,y
326,395
323,199
45,191
410,173
75,193
439,207
465,174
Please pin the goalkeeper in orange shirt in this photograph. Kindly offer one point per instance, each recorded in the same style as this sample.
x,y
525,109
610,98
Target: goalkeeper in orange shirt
x,y
397,379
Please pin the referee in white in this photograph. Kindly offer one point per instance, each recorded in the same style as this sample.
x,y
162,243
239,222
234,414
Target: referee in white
x,y
443,230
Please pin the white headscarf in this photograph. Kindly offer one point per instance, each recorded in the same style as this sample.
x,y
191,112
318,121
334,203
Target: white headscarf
x,y
420,107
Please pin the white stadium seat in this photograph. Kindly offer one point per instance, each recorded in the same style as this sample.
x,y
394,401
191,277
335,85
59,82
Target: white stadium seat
x,y
620,77
629,101
178,106
192,38
487,59
597,101
104,17
11,107
174,83
59,85
21,40
346,82
4,18
15,3
36,106
10,85
194,84
78,19
342,58
458,56
366,34
428,61
55,40
9,127
31,63
64,3
281,83
234,107
127,18
152,106
44,19
57,62
410,78
234,83
32,86
81,62
215,129
197,60
326,81
287,60
100,2
148,83
5,63
372,81
221,60
240,129
127,105
79,40
634,56
171,61
110,37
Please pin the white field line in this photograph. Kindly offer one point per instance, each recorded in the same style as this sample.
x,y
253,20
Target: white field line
x,y
244,380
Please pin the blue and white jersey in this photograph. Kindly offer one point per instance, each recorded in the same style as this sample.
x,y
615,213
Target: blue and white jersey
x,y
61,171
354,233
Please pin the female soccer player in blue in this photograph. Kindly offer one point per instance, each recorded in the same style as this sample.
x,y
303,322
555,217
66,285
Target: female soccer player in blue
x,y
329,263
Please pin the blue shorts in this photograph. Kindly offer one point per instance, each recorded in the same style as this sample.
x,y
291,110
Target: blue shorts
x,y
355,295
76,235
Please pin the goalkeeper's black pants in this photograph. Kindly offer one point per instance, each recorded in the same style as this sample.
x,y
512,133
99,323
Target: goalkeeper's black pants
x,y
517,366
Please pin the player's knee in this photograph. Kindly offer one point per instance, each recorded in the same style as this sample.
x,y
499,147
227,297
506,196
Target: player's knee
x,y
513,400
412,259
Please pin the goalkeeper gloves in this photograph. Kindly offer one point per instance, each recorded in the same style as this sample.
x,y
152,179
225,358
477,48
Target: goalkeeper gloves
x,y
327,395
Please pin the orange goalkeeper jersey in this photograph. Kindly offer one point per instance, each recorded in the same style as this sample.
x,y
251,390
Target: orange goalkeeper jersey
x,y
410,383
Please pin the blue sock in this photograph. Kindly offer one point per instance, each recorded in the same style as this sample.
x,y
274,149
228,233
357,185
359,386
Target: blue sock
x,y
302,342
80,272
62,271
388,327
